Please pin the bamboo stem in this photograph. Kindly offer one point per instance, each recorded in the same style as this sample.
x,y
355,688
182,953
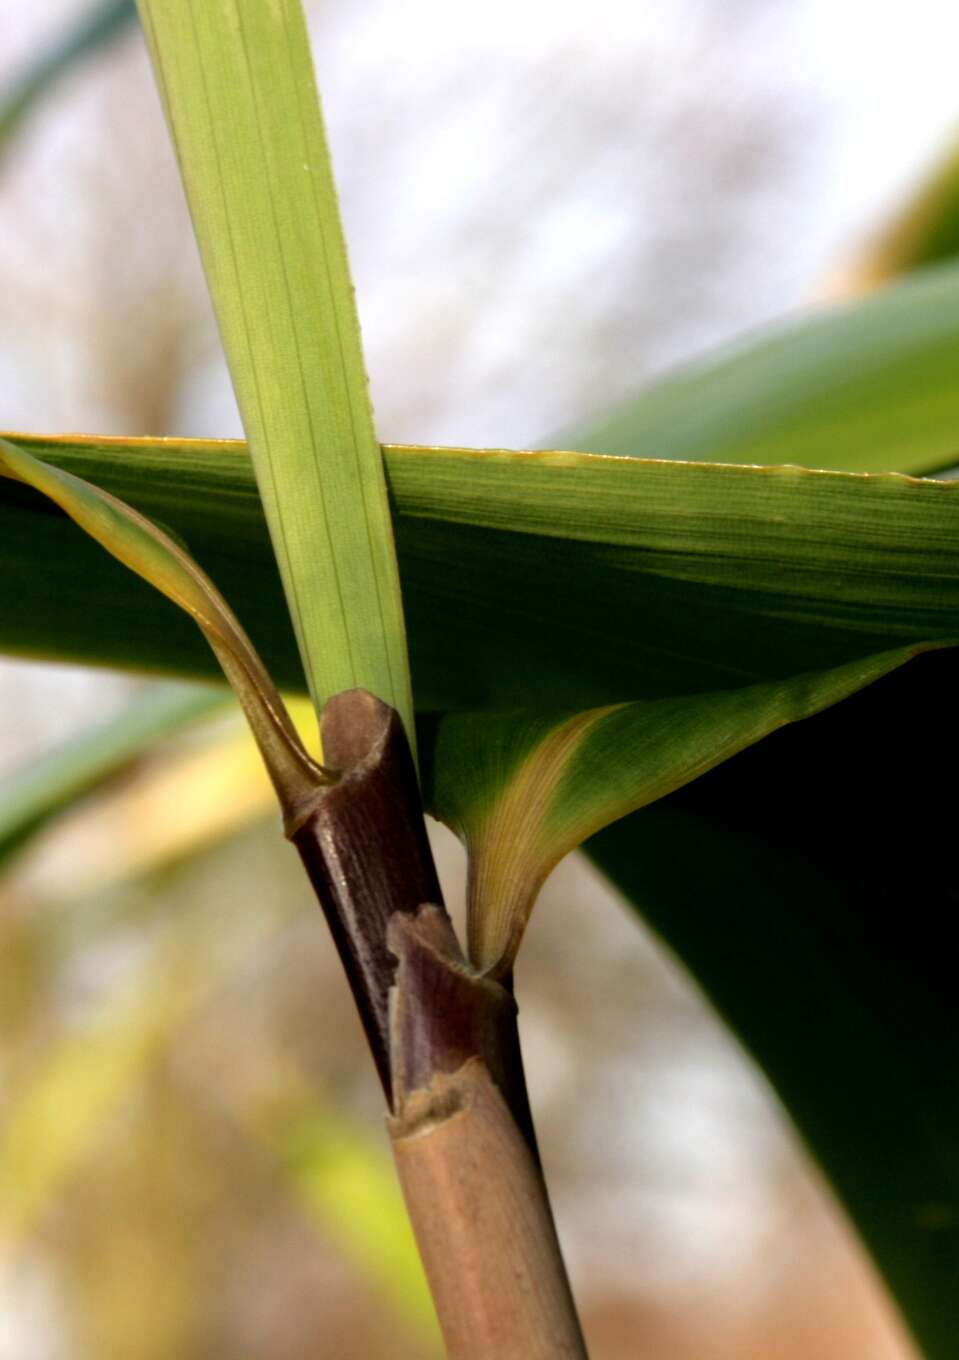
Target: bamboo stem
x,y
463,1146
483,1224
446,1046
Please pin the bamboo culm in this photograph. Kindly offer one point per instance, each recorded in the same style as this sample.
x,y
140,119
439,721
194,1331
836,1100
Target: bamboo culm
x,y
445,1043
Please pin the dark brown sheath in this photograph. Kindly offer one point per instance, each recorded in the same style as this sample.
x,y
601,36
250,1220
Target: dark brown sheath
x,y
365,849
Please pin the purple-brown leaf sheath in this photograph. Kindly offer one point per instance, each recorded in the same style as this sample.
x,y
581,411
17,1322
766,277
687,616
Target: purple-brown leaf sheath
x,y
365,849
443,1013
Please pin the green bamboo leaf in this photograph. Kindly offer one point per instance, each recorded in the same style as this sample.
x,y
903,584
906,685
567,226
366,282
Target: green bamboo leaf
x,y
237,81
598,582
696,607
694,585
151,553
95,27
583,581
863,388
30,796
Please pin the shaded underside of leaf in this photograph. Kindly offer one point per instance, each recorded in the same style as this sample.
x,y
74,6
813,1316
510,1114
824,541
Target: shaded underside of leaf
x,y
865,387
522,792
809,885
704,605
237,83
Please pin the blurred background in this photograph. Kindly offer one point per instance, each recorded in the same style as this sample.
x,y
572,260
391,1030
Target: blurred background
x,y
545,209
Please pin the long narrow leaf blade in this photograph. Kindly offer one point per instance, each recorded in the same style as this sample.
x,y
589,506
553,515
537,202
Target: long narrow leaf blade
x,y
237,81
584,581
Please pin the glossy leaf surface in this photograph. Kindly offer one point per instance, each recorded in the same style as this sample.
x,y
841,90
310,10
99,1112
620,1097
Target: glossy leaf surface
x,y
867,387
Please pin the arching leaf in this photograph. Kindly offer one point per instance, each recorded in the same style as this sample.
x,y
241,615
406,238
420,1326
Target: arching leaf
x,y
151,553
865,387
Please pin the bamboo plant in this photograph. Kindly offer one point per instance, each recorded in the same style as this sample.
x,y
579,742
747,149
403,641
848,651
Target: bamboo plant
x,y
613,654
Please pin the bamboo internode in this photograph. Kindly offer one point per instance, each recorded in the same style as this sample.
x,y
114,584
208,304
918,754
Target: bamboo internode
x,y
478,1206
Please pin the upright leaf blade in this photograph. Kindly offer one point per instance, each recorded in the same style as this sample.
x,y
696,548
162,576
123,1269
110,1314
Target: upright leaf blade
x,y
237,81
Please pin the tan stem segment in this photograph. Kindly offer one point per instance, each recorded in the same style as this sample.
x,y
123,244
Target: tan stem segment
x,y
478,1206
472,1182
